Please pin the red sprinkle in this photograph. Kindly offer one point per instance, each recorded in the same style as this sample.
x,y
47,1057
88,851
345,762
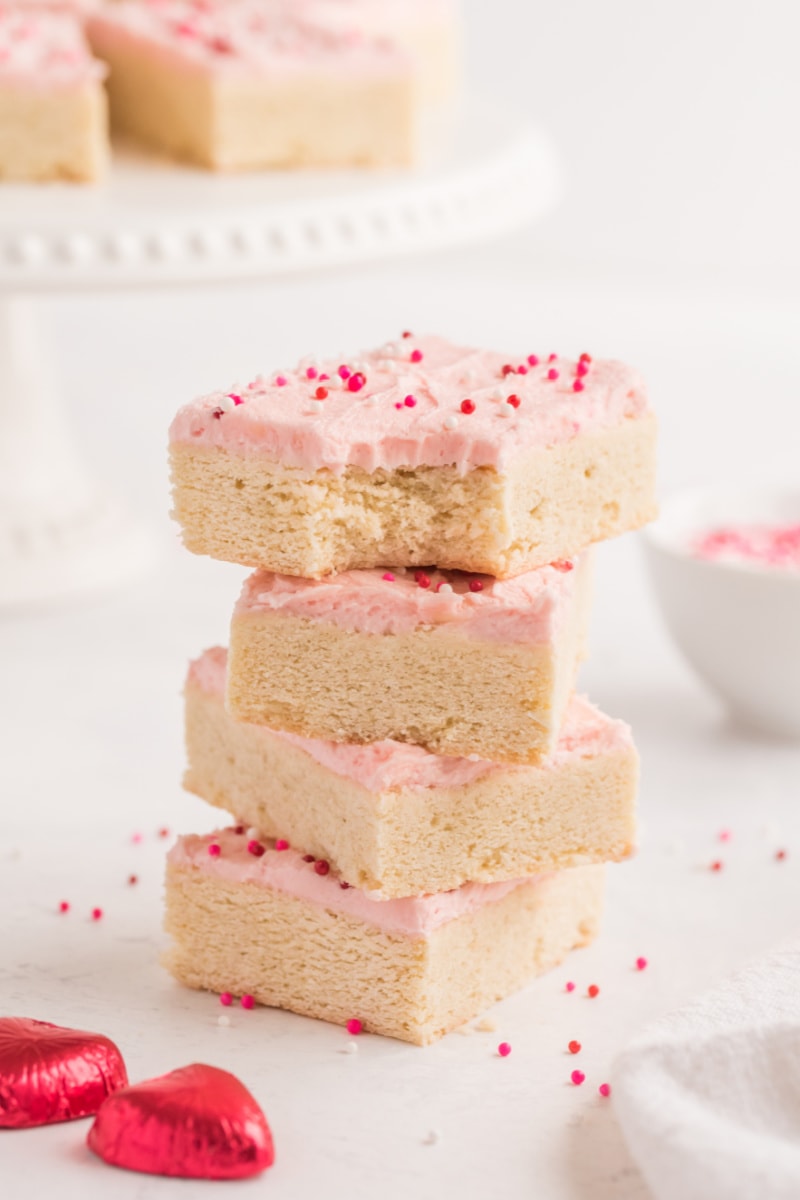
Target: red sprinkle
x,y
468,406
585,358
255,848
247,1001
388,576
513,400
504,1049
63,906
533,360
422,579
416,356
410,401
641,963
605,1089
570,986
354,1026
216,414
226,999
574,1047
97,914
475,585
281,844
407,333
344,886
214,850
308,858
577,385
133,880
780,855
593,990
507,370
238,829
563,564
321,393
321,867
356,382
552,373
163,832
577,1078
716,865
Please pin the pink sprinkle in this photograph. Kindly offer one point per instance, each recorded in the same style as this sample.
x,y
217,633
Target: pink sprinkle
x,y
136,838
214,850
563,564
323,377
780,855
641,963
716,865
422,580
97,914
577,1078
504,1049
311,373
570,986
321,867
725,835
226,999
343,372
356,382
388,576
281,844
416,356
533,360
552,373
255,848
354,1026
133,880
552,357
582,368
410,402
236,399
522,370
577,385
281,381
247,1001
63,906
398,403
163,832
605,1089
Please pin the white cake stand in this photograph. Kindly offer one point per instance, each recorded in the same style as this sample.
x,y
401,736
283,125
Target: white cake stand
x,y
155,223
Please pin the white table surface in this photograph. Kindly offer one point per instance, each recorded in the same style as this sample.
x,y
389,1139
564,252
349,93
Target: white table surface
x,y
90,713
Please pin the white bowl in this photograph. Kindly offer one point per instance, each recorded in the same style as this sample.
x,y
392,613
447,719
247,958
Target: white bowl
x,y
738,624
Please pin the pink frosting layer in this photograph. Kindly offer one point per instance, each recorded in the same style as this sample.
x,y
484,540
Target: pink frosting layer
x,y
44,49
388,765
245,37
761,545
530,608
407,409
285,871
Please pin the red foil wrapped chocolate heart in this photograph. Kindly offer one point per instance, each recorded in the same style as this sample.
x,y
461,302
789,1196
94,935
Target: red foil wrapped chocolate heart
x,y
197,1122
50,1074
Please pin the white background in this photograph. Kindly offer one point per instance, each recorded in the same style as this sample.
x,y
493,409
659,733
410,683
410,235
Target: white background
x,y
675,248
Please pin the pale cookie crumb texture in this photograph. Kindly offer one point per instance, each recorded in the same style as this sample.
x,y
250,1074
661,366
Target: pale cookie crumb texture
x,y
455,688
289,953
398,821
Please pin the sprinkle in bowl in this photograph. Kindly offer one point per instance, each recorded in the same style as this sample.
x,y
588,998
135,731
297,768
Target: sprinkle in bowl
x,y
725,565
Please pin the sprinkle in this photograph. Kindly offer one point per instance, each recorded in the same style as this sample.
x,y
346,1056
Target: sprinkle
x,y
522,370
475,585
214,849
133,880
451,422
504,411
252,833
431,1137
574,1047
716,865
238,829
311,373
468,406
552,357
422,579
577,385
406,333
323,376
444,588
552,373
224,1020
228,403
410,401
724,835
321,867
163,832
398,404
63,906
343,885
416,356
315,407
97,914
354,1026
343,372
280,381
507,369
388,576
349,1048
281,844
533,360
570,986
641,963
581,369
592,990
255,848
605,1089
514,401
780,855
247,1001
585,358
563,564
504,1049
136,838
321,393
577,1078
216,414
308,858
226,999
356,381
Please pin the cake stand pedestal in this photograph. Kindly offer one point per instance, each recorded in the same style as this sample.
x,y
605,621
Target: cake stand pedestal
x,y
155,223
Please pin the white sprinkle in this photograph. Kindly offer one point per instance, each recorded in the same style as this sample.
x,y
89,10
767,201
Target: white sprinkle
x,y
372,399
349,1048
469,377
252,833
451,422
445,590
224,1020
497,396
431,1137
226,404
315,406
504,410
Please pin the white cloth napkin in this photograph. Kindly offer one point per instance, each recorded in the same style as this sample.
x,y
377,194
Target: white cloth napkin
x,y
709,1097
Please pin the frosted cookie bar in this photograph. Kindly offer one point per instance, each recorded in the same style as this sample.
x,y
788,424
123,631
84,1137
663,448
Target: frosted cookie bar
x,y
460,664
53,123
248,918
421,452
242,86
398,820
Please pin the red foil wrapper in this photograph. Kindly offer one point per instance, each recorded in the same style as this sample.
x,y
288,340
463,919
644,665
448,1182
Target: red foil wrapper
x,y
50,1074
197,1122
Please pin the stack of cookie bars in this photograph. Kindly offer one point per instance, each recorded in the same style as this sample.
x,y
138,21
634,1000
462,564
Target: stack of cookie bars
x,y
423,806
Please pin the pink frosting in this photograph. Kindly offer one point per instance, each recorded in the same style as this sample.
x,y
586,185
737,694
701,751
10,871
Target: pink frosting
x,y
285,871
407,410
531,608
246,37
43,50
762,545
388,765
